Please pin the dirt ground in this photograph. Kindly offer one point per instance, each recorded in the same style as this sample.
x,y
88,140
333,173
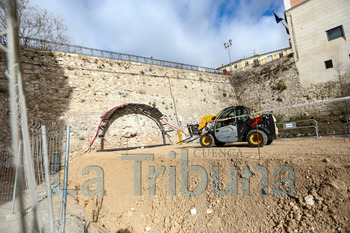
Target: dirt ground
x,y
320,203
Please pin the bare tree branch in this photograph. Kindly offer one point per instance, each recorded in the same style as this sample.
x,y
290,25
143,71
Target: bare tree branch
x,y
35,22
344,82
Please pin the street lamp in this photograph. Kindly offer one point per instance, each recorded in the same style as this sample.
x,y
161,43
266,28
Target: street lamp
x,y
227,45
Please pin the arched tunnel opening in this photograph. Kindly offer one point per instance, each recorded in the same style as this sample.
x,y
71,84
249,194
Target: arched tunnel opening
x,y
122,123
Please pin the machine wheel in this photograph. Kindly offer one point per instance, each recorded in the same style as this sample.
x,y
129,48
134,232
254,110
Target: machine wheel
x,y
269,142
207,140
255,138
218,143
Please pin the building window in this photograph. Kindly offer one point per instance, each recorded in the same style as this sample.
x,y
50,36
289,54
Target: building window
x,y
235,65
247,63
269,58
280,55
328,64
335,33
256,62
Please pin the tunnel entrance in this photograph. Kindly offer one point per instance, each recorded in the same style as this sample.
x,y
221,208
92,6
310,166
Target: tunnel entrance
x,y
124,110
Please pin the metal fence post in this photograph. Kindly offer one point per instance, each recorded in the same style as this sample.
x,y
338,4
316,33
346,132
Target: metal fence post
x,y
16,176
64,198
47,177
316,128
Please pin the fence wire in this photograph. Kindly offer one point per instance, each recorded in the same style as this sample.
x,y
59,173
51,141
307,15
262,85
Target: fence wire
x,y
7,173
55,143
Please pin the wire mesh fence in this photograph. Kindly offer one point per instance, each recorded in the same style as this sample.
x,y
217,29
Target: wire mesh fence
x,y
7,173
9,181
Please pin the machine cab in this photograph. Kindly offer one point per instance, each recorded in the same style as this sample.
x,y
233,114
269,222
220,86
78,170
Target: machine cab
x,y
228,123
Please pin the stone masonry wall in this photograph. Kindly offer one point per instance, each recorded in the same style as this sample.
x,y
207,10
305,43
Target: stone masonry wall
x,y
277,84
67,89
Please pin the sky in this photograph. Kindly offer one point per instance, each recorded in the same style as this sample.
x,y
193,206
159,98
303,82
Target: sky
x,y
185,31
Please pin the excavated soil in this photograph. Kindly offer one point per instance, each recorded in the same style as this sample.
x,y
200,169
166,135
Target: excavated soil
x,y
320,203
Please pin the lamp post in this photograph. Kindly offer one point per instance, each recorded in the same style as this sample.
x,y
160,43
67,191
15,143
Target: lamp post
x,y
227,45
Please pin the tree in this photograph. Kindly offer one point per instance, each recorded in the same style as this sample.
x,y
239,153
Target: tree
x,y
35,23
344,82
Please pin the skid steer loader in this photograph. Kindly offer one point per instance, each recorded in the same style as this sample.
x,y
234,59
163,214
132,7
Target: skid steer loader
x,y
234,124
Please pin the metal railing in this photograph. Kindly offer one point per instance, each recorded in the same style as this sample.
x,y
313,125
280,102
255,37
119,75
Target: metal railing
x,y
75,49
298,125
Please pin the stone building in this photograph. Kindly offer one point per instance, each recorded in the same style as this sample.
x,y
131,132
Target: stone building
x,y
319,31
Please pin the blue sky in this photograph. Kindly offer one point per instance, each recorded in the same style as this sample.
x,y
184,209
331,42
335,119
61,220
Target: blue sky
x,y
187,31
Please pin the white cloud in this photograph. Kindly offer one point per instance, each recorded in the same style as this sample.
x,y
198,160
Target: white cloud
x,y
187,31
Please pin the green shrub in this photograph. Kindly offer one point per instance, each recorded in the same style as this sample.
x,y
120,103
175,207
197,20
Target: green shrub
x,y
281,85
279,118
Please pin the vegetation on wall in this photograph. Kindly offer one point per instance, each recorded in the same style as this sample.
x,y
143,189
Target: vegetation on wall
x,y
256,80
281,85
277,84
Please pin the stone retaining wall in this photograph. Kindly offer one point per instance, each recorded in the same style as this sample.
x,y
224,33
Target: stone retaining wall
x,y
67,89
